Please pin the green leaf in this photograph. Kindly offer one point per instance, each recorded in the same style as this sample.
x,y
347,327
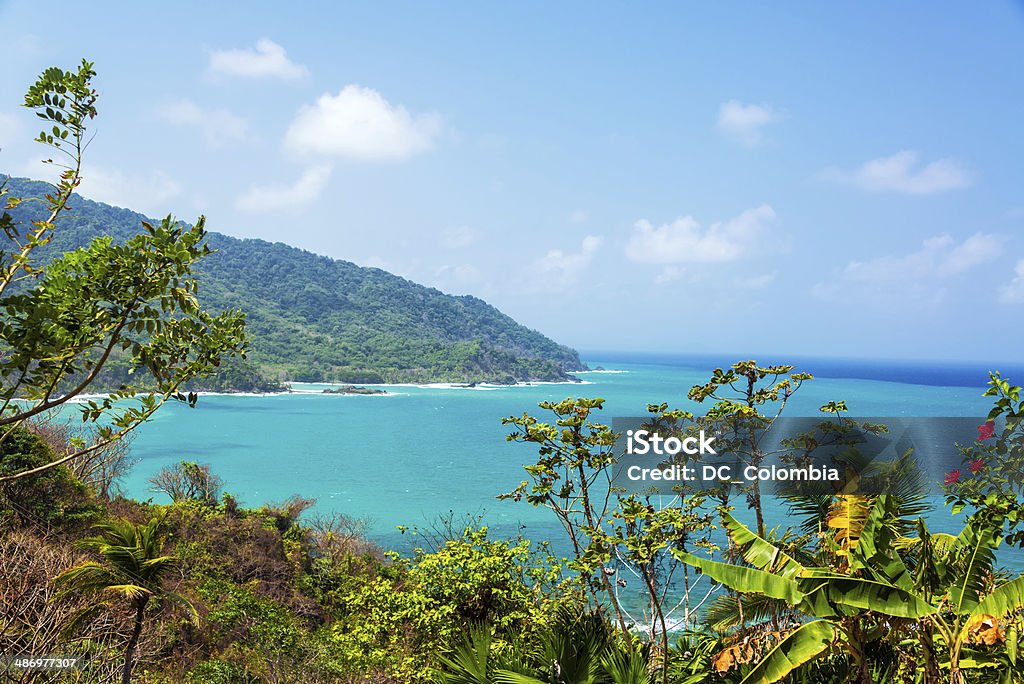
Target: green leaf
x,y
1007,598
974,557
760,553
468,664
866,594
747,580
510,677
801,646
874,550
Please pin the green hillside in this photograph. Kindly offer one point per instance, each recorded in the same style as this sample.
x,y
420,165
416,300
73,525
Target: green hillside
x,y
314,318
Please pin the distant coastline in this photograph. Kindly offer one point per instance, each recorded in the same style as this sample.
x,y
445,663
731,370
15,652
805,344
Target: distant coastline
x,y
939,373
319,391
906,372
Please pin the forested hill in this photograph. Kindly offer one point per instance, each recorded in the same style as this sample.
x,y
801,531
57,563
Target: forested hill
x,y
315,318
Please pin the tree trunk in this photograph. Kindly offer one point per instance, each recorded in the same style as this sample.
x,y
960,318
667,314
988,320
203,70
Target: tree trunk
x,y
657,618
133,641
956,675
756,457
931,666
758,512
861,673
613,600
588,513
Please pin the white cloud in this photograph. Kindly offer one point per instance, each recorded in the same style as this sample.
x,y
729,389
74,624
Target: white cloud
x,y
37,169
274,197
1013,293
147,193
901,173
268,60
459,237
973,251
919,273
685,241
218,126
358,123
940,256
744,123
562,268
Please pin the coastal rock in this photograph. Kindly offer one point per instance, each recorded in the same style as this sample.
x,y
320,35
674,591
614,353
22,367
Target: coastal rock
x,y
352,389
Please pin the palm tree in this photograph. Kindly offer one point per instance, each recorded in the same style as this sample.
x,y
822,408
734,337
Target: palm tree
x,y
131,571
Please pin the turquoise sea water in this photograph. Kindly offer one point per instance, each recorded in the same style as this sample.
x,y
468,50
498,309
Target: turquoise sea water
x,y
420,452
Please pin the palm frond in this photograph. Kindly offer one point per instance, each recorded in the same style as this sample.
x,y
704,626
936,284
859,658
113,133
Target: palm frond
x,y
811,510
628,663
86,577
725,610
130,565
468,663
131,592
82,617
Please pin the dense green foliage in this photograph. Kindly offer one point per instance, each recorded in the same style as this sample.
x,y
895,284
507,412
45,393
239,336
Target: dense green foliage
x,y
991,482
313,318
277,600
870,595
50,497
65,315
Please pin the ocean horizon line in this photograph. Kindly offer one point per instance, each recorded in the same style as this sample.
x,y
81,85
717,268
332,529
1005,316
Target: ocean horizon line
x,y
935,372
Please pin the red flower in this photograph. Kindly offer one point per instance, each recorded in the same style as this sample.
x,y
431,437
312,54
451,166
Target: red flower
x,y
986,430
952,477
976,465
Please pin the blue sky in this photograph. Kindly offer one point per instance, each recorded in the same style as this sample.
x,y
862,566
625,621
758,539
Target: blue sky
x,y
807,179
